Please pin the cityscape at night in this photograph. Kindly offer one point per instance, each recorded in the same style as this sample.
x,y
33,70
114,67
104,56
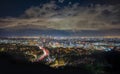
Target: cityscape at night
x,y
60,36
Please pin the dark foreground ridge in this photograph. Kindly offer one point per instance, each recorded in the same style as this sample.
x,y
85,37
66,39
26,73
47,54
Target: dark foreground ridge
x,y
9,65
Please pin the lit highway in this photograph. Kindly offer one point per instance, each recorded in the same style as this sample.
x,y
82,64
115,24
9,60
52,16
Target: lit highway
x,y
45,53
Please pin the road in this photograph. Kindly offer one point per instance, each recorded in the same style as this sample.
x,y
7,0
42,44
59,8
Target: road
x,y
45,53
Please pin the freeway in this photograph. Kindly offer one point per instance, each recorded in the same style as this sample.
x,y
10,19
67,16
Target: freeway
x,y
45,53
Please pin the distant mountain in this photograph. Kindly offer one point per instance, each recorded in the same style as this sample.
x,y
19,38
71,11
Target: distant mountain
x,y
33,32
54,32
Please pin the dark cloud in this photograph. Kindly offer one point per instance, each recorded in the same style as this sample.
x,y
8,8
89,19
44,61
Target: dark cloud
x,y
74,17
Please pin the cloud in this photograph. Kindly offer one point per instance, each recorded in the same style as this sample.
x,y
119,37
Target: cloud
x,y
46,10
61,1
73,17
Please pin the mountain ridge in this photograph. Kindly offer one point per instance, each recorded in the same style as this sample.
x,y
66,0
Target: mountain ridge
x,y
54,32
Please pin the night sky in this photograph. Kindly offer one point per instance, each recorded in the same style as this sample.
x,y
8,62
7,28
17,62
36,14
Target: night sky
x,y
20,15
17,7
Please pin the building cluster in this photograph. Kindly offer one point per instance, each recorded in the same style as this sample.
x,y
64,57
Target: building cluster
x,y
54,42
61,49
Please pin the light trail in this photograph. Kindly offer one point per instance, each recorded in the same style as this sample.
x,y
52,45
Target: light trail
x,y
45,53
